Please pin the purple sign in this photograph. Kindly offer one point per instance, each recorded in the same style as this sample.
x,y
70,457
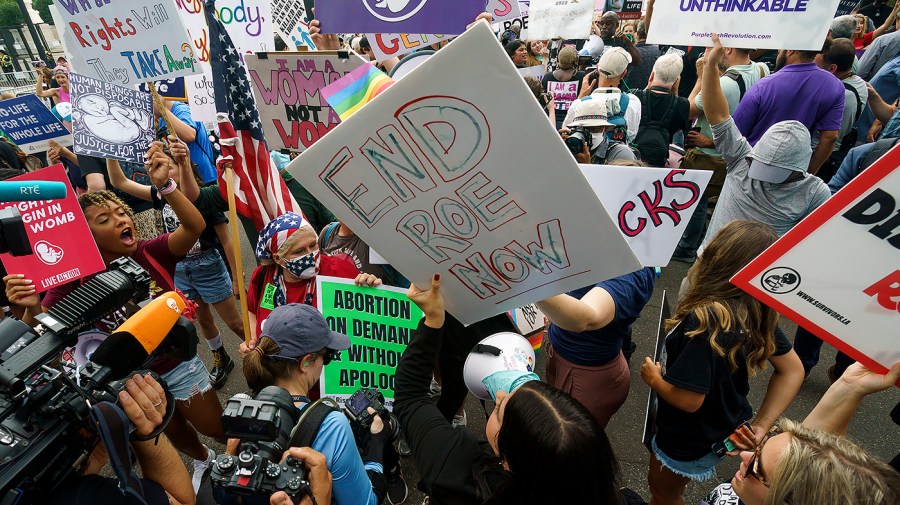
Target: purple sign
x,y
448,17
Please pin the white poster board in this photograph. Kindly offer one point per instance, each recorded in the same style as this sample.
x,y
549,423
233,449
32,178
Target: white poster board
x,y
566,19
771,25
503,10
389,45
431,176
292,23
652,206
521,22
837,272
528,319
286,87
126,42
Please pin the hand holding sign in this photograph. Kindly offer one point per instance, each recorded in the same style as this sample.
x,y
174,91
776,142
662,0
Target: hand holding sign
x,y
20,291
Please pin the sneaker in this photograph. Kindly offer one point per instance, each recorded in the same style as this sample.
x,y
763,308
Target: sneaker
x,y
426,500
222,366
435,389
397,490
200,469
460,420
403,448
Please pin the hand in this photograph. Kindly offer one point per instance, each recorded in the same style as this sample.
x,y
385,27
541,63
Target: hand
x,y
158,164
697,139
21,291
588,84
323,42
365,279
377,422
232,445
317,474
865,382
431,302
701,62
484,15
714,54
53,153
651,372
237,289
179,150
247,347
144,402
551,104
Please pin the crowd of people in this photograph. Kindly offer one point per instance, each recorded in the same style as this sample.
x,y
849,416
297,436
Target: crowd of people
x,y
781,131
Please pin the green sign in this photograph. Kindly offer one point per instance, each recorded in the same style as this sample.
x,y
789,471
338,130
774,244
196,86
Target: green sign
x,y
379,322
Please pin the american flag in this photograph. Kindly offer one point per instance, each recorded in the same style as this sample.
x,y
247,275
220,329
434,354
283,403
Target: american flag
x,y
260,192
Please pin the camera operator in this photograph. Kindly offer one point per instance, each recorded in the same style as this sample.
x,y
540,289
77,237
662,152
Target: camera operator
x,y
296,344
165,477
586,135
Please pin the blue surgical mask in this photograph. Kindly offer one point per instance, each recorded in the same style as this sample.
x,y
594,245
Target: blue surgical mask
x,y
304,267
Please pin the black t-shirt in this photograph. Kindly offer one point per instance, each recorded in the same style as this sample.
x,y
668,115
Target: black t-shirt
x,y
691,364
564,93
92,489
208,239
689,72
134,171
657,103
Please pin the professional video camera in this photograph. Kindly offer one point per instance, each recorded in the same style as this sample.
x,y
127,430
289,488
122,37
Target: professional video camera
x,y
46,429
578,136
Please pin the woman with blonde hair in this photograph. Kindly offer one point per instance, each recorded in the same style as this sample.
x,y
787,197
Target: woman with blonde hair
x,y
719,337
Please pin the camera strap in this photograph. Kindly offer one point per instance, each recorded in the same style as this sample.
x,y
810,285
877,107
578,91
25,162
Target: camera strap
x,y
311,420
113,427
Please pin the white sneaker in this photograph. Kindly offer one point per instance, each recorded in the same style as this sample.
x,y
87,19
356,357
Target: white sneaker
x,y
435,389
460,420
200,468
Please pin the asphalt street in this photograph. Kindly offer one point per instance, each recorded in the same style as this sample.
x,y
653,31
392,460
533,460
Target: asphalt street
x,y
872,427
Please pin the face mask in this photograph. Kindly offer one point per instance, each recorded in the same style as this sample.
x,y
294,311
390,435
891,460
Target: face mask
x,y
599,141
304,267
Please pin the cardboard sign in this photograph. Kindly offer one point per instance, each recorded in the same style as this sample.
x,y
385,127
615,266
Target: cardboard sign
x,y
398,16
125,42
536,71
521,21
846,7
757,24
503,10
110,121
566,19
430,175
292,23
169,89
286,87
836,272
61,240
379,322
626,9
389,45
659,356
652,206
528,319
31,125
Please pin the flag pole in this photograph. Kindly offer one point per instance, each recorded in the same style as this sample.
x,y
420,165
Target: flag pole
x,y
236,245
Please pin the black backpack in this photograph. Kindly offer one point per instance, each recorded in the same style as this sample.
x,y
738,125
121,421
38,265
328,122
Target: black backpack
x,y
653,137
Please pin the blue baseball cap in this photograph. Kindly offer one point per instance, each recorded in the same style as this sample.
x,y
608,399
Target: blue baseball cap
x,y
300,329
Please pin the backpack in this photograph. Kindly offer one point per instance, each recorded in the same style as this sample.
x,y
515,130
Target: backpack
x,y
852,136
652,139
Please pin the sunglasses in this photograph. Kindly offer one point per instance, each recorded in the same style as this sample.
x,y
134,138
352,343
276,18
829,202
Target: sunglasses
x,y
754,466
327,355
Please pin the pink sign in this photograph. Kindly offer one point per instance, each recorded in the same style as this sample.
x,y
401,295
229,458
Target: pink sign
x,y
61,241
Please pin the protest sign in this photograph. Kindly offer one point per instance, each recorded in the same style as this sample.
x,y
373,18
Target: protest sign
x,y
503,10
31,125
388,45
536,71
169,89
521,21
528,319
56,230
652,206
287,90
659,356
846,7
566,19
449,17
743,23
626,9
110,121
292,23
836,272
124,43
379,322
430,175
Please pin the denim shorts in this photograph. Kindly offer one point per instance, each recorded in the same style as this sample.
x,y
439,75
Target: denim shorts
x,y
700,470
189,378
204,277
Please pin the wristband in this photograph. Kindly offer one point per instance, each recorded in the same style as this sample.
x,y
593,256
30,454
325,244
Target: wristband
x,y
168,187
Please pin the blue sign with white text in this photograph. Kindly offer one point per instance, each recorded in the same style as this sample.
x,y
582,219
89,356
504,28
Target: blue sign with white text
x,y
449,17
28,122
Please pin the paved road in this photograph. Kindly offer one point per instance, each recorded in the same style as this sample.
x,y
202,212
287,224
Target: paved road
x,y
871,428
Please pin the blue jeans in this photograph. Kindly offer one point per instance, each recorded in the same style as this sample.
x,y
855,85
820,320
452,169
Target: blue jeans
x,y
808,348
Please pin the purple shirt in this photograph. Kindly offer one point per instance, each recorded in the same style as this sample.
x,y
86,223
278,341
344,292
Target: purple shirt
x,y
803,92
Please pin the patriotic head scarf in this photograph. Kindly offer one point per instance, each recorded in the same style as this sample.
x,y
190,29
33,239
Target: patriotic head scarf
x,y
276,233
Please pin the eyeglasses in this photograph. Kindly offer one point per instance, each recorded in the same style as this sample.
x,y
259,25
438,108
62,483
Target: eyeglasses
x,y
327,355
754,466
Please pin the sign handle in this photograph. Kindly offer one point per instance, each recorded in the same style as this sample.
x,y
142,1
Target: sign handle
x,y
236,244
163,110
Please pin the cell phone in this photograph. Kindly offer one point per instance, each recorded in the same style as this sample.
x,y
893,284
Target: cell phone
x,y
696,129
732,442
37,63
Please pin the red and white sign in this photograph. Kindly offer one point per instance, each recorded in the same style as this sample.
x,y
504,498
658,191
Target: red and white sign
x,y
837,273
61,241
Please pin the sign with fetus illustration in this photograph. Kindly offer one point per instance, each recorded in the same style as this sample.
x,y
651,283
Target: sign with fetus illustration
x,y
109,121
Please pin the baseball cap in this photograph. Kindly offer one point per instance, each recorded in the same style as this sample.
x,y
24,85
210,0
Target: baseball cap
x,y
567,57
614,62
590,112
782,150
300,329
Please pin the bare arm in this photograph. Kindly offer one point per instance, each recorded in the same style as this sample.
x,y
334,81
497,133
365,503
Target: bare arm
x,y
783,387
680,398
189,187
889,22
825,147
696,111
649,15
192,224
118,179
39,87
185,131
833,412
595,310
715,106
882,110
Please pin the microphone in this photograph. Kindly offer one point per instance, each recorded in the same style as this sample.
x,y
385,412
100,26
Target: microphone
x,y
127,348
24,191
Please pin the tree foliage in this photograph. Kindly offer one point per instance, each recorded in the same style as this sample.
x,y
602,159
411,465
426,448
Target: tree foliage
x,y
10,15
43,8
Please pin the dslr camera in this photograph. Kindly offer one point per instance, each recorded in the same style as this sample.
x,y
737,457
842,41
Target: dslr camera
x,y
578,137
356,408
